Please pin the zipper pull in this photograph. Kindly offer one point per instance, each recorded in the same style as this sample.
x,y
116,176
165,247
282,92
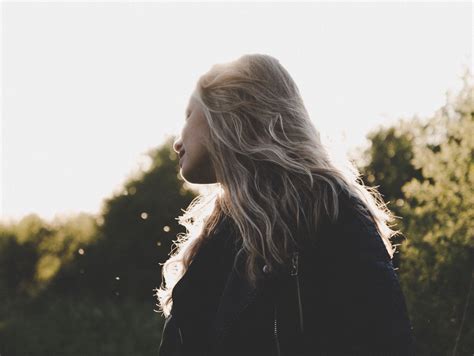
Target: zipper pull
x,y
294,264
294,272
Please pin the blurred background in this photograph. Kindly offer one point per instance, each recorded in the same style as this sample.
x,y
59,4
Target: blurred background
x,y
93,95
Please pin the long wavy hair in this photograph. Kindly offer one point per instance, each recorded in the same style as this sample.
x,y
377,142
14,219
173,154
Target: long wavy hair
x,y
274,176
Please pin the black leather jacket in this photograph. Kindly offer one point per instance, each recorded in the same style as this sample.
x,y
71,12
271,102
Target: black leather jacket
x,y
339,296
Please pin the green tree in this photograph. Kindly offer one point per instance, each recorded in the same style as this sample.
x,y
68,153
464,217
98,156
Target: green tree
x,y
389,156
438,257
58,280
32,251
389,167
137,227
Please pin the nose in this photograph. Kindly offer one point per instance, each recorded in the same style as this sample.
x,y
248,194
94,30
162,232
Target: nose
x,y
177,145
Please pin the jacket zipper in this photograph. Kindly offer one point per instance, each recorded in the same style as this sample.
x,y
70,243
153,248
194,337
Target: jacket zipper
x,y
294,272
180,336
275,330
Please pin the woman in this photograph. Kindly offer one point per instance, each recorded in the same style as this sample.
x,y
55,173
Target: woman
x,y
288,254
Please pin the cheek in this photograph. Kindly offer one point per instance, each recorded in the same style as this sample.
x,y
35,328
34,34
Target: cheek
x,y
198,154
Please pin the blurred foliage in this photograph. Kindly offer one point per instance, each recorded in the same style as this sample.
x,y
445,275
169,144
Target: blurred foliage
x,y
438,258
390,167
390,155
136,230
33,251
78,326
79,284
424,169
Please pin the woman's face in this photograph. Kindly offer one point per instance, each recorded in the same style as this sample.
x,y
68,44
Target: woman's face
x,y
195,162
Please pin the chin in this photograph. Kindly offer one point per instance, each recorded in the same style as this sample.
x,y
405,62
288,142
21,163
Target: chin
x,y
200,177
198,180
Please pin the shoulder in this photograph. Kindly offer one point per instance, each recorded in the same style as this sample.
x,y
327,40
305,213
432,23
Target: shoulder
x,y
353,235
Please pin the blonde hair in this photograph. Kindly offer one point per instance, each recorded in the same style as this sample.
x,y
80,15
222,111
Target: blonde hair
x,y
274,175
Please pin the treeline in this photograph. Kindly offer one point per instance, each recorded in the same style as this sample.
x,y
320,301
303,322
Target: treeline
x,y
90,278
114,254
425,169
84,284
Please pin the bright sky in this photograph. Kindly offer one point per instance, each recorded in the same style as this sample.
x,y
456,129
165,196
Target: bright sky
x,y
88,88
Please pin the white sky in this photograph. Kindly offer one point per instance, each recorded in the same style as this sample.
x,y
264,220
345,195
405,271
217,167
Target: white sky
x,y
88,88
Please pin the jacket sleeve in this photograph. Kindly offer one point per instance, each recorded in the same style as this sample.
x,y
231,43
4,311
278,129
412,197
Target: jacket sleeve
x,y
170,343
353,300
375,309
